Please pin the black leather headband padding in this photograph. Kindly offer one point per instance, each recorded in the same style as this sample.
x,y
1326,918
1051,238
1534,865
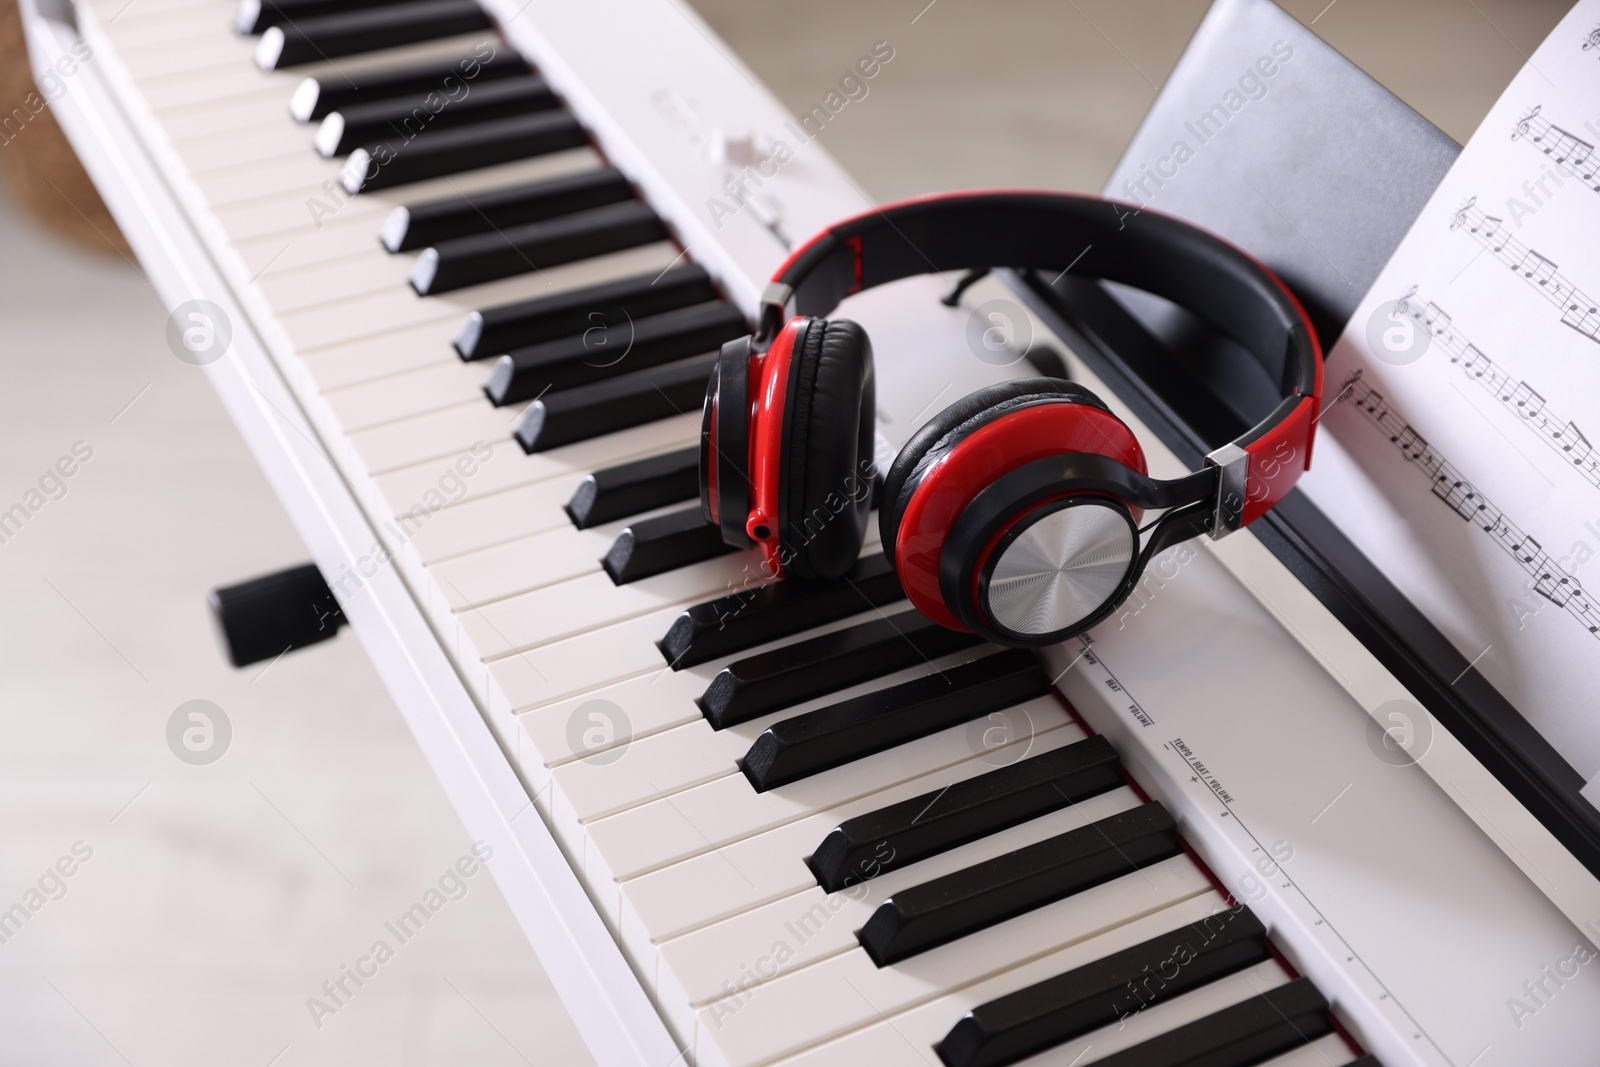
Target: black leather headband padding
x,y
1056,231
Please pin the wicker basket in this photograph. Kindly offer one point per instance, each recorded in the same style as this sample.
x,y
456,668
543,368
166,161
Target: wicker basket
x,y
43,175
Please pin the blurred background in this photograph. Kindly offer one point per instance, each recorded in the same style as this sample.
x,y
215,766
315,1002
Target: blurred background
x,y
216,899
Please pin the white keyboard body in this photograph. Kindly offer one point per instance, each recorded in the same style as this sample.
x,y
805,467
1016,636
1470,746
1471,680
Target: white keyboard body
x,y
1419,899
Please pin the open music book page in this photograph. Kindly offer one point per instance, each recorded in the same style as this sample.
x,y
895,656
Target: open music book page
x,y
1463,401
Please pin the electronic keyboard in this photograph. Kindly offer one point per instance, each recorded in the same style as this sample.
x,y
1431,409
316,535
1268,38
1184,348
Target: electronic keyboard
x,y
469,264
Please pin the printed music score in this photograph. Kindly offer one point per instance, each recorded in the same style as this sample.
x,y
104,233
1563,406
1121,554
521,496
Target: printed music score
x,y
1568,151
1521,399
1549,580
1578,310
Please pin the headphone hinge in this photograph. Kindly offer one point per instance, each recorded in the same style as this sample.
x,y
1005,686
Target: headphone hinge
x,y
1233,468
772,312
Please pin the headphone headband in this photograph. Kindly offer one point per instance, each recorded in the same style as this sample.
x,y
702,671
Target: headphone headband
x,y
1100,239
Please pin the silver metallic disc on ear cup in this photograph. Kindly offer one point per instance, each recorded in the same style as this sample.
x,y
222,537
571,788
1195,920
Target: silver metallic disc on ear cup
x,y
1062,567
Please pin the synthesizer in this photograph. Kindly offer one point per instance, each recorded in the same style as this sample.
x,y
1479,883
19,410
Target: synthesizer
x,y
457,270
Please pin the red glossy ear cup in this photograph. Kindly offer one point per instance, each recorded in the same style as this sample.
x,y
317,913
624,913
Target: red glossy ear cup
x,y
787,447
964,449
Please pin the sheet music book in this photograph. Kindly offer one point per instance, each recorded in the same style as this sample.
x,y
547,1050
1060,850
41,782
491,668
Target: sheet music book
x,y
1463,397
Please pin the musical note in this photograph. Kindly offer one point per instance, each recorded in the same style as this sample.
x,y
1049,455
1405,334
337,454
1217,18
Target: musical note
x,y
1585,320
1558,589
1568,151
1535,266
1451,486
1561,436
1578,310
1572,442
1528,403
1593,40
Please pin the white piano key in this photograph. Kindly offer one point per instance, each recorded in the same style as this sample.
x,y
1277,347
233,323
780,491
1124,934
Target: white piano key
x,y
181,101
644,705
847,991
401,396
651,835
336,283
657,767
289,217
397,307
694,966
693,892
527,563
656,700
503,517
381,355
437,435
192,55
206,118
907,1038
251,146
510,468
132,34
590,600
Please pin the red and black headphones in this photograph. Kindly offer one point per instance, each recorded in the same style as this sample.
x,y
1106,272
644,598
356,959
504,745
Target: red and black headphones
x,y
1015,512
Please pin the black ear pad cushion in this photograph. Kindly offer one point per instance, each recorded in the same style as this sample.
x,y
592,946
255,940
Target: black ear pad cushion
x,y
830,418
954,423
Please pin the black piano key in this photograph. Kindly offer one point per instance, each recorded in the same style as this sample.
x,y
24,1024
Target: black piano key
x,y
413,226
497,330
966,901
345,130
1250,1032
484,257
761,613
254,16
824,664
315,98
635,487
808,744
1365,1061
385,164
939,821
560,418
663,543
610,351
324,37
1113,987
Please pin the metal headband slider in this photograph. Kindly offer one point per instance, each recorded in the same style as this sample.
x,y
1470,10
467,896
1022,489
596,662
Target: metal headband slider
x,y
772,312
1233,465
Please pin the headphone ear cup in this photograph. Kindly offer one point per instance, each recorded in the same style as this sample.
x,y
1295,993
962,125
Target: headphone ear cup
x,y
830,421
940,433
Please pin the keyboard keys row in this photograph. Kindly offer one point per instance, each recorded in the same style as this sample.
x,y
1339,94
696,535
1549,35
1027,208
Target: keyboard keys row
x,y
603,352
349,128
393,162
828,737
328,37
316,98
497,330
414,226
560,418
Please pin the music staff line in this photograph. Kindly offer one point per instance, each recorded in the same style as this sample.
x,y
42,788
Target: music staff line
x,y
1566,150
1562,436
1549,580
1578,310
